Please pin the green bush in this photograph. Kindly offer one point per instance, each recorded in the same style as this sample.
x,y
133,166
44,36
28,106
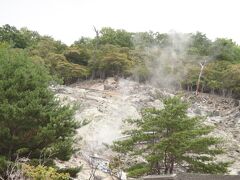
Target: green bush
x,y
41,172
72,171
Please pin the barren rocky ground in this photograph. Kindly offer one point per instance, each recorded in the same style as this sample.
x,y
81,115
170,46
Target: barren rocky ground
x,y
105,106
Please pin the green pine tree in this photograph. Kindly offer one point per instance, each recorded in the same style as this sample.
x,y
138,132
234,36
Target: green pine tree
x,y
169,140
33,123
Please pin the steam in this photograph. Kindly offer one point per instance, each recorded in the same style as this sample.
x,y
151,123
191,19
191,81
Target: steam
x,y
166,66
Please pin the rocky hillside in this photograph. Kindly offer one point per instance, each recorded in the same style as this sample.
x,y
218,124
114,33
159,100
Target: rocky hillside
x,y
103,107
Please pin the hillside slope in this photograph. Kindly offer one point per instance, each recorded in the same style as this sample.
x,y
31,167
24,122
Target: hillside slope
x,y
105,105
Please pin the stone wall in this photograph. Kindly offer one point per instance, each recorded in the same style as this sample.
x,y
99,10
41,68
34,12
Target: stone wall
x,y
186,176
156,177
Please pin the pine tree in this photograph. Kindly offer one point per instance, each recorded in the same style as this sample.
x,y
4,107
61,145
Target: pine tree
x,y
33,123
169,140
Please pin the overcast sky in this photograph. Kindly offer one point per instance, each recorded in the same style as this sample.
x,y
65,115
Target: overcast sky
x,y
68,20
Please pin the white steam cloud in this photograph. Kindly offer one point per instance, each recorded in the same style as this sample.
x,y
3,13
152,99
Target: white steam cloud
x,y
166,66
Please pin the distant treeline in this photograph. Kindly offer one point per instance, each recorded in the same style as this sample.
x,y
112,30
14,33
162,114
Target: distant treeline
x,y
120,53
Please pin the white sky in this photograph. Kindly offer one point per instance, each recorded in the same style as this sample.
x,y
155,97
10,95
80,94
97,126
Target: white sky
x,y
68,20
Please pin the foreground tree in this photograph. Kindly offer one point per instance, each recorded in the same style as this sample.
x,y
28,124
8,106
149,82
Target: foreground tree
x,y
33,123
169,140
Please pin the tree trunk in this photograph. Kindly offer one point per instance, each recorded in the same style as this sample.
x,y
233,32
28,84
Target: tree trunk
x,y
223,92
166,169
158,166
165,163
93,75
199,77
180,85
230,94
172,166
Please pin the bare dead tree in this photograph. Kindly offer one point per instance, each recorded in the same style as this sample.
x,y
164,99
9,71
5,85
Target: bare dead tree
x,y
95,48
202,65
13,170
97,37
94,167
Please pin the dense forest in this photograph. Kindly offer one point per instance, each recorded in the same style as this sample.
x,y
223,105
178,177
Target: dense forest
x,y
33,122
139,55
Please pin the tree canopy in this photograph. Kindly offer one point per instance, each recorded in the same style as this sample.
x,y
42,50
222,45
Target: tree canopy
x,y
117,52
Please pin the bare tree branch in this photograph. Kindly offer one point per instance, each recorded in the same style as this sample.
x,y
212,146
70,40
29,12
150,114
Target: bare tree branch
x,y
199,76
